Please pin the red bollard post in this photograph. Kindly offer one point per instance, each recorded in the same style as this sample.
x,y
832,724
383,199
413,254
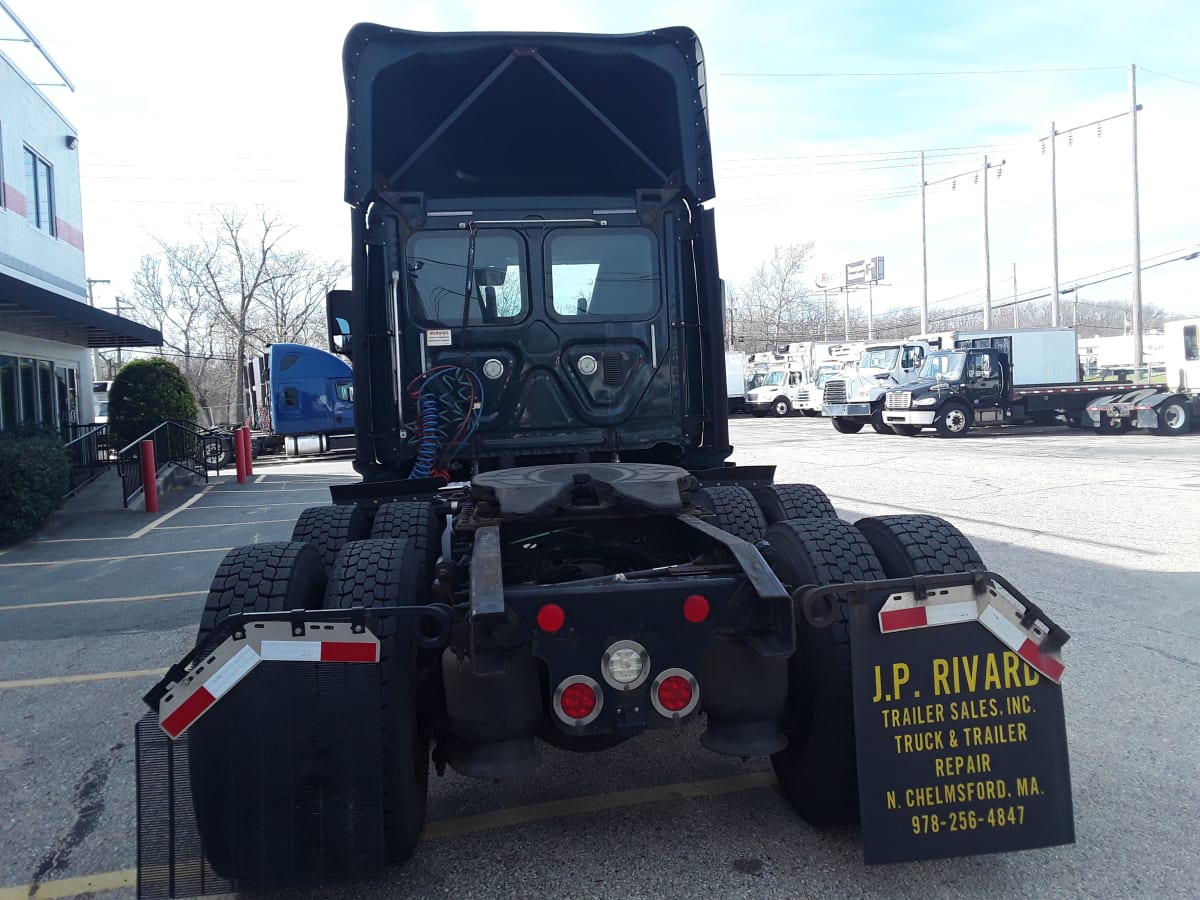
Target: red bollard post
x,y
239,455
149,477
249,451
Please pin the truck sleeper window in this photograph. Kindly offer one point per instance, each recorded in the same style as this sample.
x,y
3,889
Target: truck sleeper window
x,y
603,272
437,277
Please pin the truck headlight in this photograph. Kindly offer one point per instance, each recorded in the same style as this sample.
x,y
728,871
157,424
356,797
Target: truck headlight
x,y
925,401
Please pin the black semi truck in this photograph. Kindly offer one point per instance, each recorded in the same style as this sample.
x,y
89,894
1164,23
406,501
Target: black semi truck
x,y
549,545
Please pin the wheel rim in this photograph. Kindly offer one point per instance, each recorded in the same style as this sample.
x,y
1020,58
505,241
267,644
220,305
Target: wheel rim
x,y
781,408
956,420
1173,416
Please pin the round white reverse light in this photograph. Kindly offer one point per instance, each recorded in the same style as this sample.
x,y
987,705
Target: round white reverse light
x,y
493,368
587,365
625,665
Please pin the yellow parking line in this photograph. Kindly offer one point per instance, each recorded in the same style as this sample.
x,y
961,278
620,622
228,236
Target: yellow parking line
x,y
141,532
77,679
100,559
226,524
452,828
72,887
103,600
575,806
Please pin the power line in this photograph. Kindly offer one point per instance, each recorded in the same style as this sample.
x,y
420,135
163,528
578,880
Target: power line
x,y
918,74
1172,77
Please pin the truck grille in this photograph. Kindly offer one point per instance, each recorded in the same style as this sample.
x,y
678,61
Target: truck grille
x,y
898,400
835,391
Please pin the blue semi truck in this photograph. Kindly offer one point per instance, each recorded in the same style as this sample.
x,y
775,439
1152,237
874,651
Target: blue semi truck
x,y
300,401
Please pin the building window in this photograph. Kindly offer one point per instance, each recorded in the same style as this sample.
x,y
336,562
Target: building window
x,y
39,192
8,392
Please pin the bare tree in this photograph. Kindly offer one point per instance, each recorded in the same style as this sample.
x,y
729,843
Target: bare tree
x,y
777,305
292,298
220,299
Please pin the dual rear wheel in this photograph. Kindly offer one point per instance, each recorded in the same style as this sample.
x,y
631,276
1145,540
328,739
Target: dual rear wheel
x,y
340,800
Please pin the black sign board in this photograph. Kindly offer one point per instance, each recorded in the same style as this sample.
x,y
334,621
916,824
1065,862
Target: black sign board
x,y
962,746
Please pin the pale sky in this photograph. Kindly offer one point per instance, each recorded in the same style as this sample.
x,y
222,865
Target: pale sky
x,y
817,114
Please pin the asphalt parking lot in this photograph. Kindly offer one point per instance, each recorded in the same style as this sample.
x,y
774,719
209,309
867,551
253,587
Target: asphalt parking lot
x,y
1100,531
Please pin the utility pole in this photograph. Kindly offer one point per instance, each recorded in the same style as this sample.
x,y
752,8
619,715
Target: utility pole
x,y
118,345
987,252
90,283
924,257
1015,323
1137,251
1054,226
871,311
1137,232
846,310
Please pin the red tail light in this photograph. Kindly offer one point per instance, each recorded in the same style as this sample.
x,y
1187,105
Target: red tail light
x,y
675,693
695,608
578,700
551,617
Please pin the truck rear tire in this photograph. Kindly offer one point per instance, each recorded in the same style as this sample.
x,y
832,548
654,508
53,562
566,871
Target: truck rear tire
x,y
818,771
410,519
372,574
328,528
954,420
262,578
1173,417
919,545
846,426
792,501
735,508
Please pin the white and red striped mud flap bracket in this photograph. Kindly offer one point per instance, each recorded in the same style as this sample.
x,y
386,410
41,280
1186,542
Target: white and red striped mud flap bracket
x,y
212,677
993,607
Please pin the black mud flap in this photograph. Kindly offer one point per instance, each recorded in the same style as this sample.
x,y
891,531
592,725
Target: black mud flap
x,y
960,733
260,765
279,784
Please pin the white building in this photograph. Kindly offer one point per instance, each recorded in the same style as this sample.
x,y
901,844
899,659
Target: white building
x,y
47,328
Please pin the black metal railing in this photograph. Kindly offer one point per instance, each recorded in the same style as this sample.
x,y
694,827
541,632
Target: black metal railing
x,y
175,443
88,450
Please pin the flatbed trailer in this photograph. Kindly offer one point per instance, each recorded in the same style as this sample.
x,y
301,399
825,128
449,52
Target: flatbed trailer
x,y
973,386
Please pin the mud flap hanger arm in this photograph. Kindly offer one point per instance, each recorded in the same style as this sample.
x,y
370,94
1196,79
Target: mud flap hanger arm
x,y
818,603
235,626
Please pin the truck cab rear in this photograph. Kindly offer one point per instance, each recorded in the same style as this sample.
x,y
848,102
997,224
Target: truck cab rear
x,y
548,544
1173,408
